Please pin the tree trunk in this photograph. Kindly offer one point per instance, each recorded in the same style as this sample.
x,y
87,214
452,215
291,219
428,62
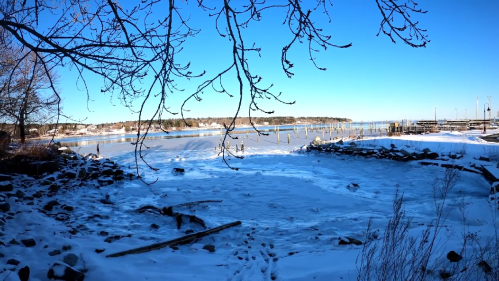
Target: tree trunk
x,y
22,115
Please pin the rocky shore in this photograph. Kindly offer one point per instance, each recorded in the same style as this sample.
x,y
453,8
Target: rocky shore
x,y
28,189
358,148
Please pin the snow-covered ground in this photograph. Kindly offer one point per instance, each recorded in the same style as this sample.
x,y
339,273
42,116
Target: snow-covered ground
x,y
293,208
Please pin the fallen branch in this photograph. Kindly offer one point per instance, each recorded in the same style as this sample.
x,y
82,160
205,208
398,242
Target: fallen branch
x,y
174,242
188,204
168,211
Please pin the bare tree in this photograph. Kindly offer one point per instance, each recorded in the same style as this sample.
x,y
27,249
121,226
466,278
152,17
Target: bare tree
x,y
123,43
22,95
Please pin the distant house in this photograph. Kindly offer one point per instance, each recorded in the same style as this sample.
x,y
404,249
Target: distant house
x,y
265,123
202,125
53,131
82,131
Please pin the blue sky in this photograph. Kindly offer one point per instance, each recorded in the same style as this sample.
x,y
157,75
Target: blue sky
x,y
373,80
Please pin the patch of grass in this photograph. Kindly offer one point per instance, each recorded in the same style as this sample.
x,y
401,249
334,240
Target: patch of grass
x,y
36,151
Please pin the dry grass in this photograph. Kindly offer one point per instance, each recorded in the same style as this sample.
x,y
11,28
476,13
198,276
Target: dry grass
x,y
400,256
35,150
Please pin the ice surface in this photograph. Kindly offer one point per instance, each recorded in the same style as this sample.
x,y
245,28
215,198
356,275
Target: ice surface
x,y
293,208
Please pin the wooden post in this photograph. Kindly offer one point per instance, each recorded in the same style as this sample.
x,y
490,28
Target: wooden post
x,y
228,144
306,132
277,136
289,138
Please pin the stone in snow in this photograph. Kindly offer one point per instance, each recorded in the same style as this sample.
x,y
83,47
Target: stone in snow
x,y
62,271
6,186
24,273
29,242
70,259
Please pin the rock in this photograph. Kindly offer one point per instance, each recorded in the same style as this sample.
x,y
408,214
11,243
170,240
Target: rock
x,y
340,142
14,242
107,171
348,241
6,186
189,231
29,242
68,208
54,253
19,194
61,271
28,198
70,259
316,141
155,226
454,257
5,207
432,155
82,173
210,248
54,188
393,146
5,177
70,174
30,203
13,262
118,172
48,207
2,255
426,150
484,266
37,195
53,203
105,181
178,171
444,274
23,273
484,158
98,251
66,248
106,201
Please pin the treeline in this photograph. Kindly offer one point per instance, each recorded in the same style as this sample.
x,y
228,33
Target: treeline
x,y
272,121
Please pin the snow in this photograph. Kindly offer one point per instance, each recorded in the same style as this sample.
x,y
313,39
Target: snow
x,y
294,208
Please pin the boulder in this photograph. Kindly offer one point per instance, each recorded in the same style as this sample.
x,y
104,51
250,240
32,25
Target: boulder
x,y
426,150
13,262
316,141
6,186
348,241
70,259
62,271
454,257
82,173
107,171
54,253
484,158
5,177
105,181
5,207
70,174
29,242
209,248
432,155
24,273
178,171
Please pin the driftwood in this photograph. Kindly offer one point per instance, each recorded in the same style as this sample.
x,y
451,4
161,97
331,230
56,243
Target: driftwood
x,y
174,242
188,204
168,211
